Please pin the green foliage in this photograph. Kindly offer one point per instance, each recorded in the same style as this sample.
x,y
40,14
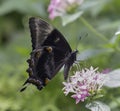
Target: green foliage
x,y
101,48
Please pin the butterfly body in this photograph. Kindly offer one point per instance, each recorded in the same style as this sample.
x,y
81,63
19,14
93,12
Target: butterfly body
x,y
50,51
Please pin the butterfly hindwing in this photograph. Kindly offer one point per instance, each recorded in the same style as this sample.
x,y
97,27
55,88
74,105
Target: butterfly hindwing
x,y
41,67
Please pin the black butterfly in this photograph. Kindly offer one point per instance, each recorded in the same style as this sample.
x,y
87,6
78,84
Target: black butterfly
x,y
50,51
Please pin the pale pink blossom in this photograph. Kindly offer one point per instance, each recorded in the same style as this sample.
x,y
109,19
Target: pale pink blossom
x,y
60,7
84,83
107,70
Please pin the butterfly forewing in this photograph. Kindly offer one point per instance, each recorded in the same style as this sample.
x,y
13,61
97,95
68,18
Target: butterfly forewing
x,y
61,48
56,39
39,31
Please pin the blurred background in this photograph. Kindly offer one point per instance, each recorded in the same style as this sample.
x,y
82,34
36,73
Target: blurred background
x,y
98,49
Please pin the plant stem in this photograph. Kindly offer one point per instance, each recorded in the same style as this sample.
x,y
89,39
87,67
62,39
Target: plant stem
x,y
94,30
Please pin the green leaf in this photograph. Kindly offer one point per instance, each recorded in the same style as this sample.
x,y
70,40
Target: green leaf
x,y
68,18
114,79
115,40
94,6
91,53
23,6
98,106
116,37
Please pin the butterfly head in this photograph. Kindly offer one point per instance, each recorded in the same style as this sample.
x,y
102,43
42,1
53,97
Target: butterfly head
x,y
73,55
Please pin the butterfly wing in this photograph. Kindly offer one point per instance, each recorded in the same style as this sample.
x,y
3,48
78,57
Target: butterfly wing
x,y
39,31
41,66
43,34
61,49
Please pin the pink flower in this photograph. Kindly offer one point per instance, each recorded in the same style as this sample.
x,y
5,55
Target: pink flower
x,y
60,7
107,70
80,97
84,84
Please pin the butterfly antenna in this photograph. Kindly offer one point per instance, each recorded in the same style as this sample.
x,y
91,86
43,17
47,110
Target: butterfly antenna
x,y
77,42
80,37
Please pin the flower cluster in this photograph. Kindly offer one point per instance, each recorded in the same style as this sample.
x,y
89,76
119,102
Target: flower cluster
x,y
84,84
60,7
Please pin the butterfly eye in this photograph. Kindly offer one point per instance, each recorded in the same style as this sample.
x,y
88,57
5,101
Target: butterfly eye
x,y
49,49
